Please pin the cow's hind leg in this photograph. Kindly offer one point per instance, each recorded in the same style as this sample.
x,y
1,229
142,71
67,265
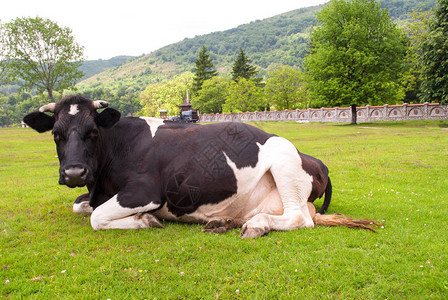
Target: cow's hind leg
x,y
82,205
112,215
294,186
262,223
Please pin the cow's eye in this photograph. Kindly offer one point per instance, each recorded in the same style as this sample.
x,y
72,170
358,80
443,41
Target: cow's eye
x,y
58,137
91,135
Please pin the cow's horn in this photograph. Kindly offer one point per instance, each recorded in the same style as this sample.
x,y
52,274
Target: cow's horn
x,y
100,104
49,107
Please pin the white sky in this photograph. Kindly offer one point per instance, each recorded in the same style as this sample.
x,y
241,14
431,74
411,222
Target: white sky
x,y
107,28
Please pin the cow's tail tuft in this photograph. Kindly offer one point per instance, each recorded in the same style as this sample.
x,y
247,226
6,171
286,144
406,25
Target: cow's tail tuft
x,y
327,199
343,220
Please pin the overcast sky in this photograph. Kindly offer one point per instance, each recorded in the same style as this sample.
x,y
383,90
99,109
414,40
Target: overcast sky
x,y
107,28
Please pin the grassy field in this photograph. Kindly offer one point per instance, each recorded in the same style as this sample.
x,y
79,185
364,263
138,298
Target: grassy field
x,y
395,172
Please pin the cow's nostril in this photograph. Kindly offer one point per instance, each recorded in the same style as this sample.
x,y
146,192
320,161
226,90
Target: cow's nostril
x,y
84,173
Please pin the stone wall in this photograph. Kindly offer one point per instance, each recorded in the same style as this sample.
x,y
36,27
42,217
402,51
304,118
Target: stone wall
x,y
367,113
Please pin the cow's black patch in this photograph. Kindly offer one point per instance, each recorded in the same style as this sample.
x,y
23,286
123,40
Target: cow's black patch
x,y
239,141
194,165
127,166
319,172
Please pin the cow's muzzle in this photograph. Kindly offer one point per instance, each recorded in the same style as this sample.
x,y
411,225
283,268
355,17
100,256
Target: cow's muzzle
x,y
74,176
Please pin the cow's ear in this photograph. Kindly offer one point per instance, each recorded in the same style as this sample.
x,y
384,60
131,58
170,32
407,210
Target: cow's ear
x,y
39,121
108,117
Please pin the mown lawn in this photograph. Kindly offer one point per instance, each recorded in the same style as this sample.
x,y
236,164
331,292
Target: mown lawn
x,y
395,171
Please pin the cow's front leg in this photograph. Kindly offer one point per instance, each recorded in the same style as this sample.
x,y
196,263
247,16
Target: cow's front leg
x,y
82,204
113,215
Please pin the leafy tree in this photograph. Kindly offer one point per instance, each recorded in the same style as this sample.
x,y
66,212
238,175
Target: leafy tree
x,y
166,95
213,95
4,75
204,69
14,106
42,54
283,88
242,69
356,57
435,57
244,96
417,30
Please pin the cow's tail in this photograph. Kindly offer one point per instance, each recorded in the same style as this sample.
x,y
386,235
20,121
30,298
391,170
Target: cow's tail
x,y
327,199
343,220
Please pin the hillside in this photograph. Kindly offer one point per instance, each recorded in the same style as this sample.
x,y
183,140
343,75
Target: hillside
x,y
277,40
281,39
92,67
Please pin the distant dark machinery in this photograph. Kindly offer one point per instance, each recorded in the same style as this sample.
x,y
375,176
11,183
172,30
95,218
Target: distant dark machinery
x,y
186,113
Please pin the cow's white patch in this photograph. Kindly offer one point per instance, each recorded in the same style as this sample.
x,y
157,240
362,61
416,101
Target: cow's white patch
x,y
153,123
73,109
111,215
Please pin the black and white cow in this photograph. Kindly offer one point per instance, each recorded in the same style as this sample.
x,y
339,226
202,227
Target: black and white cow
x,y
140,170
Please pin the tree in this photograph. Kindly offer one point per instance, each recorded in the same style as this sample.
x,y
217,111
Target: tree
x,y
356,55
204,69
213,95
166,95
417,30
242,69
244,95
4,75
42,54
435,57
283,88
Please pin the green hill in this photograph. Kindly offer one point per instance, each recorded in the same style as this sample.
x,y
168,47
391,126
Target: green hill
x,y
92,67
279,40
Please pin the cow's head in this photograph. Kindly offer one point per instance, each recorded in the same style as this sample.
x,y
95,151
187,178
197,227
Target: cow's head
x,y
75,123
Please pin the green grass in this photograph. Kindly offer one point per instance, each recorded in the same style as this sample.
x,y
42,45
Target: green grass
x,y
395,172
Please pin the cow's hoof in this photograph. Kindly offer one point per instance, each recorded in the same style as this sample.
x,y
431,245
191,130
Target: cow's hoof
x,y
223,225
215,226
82,208
252,232
150,220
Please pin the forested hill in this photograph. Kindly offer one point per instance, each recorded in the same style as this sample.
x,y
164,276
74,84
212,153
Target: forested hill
x,y
399,9
279,40
92,67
